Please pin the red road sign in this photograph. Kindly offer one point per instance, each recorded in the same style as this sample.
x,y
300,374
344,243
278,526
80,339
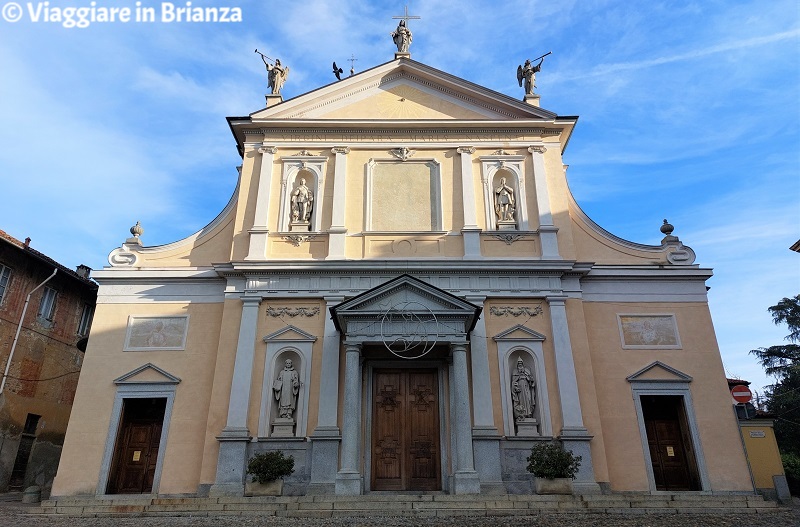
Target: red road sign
x,y
741,393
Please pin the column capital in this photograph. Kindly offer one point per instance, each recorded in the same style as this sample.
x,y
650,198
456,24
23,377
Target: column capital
x,y
331,301
351,346
251,300
344,150
556,300
268,150
465,150
475,298
537,148
458,346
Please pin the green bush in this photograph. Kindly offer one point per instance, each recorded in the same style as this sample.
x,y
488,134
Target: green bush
x,y
791,465
269,466
551,460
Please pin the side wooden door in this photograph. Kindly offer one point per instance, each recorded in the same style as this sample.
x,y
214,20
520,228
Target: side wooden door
x,y
405,432
136,452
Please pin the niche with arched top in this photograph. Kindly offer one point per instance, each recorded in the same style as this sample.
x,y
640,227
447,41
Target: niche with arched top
x,y
505,199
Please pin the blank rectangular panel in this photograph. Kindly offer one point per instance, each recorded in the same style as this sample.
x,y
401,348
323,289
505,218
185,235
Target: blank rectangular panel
x,y
404,197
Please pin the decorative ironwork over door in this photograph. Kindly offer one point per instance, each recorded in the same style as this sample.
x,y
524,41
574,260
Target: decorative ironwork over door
x,y
405,432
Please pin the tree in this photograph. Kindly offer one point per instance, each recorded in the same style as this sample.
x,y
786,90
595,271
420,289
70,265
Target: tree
x,y
783,398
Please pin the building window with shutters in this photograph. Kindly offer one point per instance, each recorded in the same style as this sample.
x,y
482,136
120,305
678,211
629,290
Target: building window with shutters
x,y
86,320
5,279
47,308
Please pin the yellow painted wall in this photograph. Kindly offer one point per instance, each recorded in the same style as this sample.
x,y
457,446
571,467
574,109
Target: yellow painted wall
x,y
89,424
762,453
699,358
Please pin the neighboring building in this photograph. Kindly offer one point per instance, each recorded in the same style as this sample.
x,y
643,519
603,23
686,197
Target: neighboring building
x,y
761,447
403,295
38,392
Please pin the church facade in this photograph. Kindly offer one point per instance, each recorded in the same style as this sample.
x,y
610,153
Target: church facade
x,y
402,295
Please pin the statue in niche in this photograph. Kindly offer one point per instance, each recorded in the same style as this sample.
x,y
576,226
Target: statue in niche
x,y
402,37
276,75
504,202
286,388
302,202
522,392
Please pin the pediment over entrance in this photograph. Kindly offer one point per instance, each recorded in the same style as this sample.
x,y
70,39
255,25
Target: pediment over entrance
x,y
405,302
147,374
659,372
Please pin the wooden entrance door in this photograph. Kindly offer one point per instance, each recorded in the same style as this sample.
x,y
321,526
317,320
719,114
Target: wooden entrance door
x,y
405,431
136,451
674,466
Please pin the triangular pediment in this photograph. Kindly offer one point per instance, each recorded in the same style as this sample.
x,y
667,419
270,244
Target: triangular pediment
x,y
406,294
659,372
403,89
290,334
518,333
147,374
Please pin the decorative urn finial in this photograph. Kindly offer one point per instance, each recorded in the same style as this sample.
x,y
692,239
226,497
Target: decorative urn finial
x,y
137,230
667,228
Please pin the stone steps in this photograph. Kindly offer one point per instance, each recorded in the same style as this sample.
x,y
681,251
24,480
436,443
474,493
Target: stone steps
x,y
406,505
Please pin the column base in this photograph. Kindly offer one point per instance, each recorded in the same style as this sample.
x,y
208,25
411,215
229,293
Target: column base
x,y
466,482
349,484
472,243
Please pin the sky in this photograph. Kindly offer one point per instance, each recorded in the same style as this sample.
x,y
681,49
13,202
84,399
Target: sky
x,y
689,111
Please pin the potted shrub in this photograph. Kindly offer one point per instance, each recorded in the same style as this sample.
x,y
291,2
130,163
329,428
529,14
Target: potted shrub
x,y
553,468
268,470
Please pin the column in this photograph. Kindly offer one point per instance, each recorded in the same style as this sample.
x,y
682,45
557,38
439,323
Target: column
x,y
348,479
485,437
235,436
338,231
325,438
547,230
260,233
470,231
465,478
573,435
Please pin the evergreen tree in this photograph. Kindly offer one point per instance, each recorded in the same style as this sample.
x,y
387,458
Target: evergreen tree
x,y
783,398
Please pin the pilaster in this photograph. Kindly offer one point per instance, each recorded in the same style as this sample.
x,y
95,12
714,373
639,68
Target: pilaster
x,y
260,232
234,437
574,435
470,231
547,230
338,231
326,437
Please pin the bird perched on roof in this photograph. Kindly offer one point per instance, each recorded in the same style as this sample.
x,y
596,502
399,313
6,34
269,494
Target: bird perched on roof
x,y
337,71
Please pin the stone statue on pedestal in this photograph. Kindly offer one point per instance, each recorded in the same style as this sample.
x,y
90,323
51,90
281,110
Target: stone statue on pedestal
x,y
402,37
504,202
286,388
302,203
523,392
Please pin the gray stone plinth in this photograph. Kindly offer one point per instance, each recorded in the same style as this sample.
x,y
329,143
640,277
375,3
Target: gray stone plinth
x,y
230,466
527,428
579,443
324,461
486,445
507,225
299,226
283,427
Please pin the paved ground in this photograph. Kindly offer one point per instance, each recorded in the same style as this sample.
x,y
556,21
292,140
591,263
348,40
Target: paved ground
x,y
15,514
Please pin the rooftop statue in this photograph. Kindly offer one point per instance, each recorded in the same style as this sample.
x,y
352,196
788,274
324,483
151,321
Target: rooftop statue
x,y
527,74
276,74
402,37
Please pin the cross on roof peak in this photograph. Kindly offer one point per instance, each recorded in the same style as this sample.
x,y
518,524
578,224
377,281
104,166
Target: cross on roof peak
x,y
406,17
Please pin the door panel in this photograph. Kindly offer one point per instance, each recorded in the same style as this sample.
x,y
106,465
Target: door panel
x,y
136,451
665,439
405,437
